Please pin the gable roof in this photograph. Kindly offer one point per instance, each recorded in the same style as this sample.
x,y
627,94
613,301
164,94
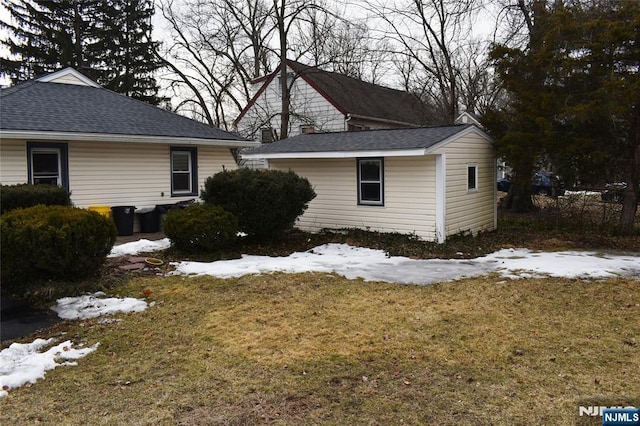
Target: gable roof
x,y
388,142
48,110
353,97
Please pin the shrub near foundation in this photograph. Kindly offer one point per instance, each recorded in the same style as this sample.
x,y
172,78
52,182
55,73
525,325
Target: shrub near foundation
x,y
58,243
200,228
266,202
25,195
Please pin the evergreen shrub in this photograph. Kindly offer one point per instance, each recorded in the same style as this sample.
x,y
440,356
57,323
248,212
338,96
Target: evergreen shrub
x,y
200,228
266,202
56,243
26,195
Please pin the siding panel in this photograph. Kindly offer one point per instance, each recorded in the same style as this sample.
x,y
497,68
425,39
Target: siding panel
x,y
470,211
409,196
116,173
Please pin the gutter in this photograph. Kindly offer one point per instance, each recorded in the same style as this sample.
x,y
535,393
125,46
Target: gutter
x,y
109,137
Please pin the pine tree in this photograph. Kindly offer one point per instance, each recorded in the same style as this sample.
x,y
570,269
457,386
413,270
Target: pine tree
x,y
123,50
45,36
109,41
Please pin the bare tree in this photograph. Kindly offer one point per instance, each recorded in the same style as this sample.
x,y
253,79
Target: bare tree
x,y
429,37
217,48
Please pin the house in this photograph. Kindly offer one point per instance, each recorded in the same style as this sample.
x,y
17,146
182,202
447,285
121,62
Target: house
x,y
433,182
323,101
104,147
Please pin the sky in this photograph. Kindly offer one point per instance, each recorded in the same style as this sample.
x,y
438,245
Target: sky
x,y
23,363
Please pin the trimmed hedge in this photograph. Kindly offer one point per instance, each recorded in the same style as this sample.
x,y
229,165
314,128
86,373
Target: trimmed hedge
x,y
200,228
52,243
26,195
266,202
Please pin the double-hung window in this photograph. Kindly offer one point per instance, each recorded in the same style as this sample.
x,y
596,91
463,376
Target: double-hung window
x,y
184,176
371,181
48,163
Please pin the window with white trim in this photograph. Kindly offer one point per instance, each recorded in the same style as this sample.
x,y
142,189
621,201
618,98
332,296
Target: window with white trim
x,y
184,176
472,177
371,181
47,163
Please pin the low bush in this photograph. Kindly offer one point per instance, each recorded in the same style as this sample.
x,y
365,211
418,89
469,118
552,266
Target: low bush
x,y
25,195
200,228
56,243
266,202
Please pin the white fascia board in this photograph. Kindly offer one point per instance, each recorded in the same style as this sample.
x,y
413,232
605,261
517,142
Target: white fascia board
x,y
68,71
462,133
108,137
340,154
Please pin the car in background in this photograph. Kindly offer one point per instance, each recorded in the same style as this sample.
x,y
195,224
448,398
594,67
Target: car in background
x,y
614,192
546,183
543,183
504,184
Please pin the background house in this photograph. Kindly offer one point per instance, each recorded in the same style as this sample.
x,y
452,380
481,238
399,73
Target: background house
x,y
323,101
432,181
104,147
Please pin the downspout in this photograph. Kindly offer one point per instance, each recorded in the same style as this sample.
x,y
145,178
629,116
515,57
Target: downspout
x,y
347,119
441,198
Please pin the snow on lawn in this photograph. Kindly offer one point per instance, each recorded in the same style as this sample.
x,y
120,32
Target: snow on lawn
x,y
26,363
95,305
375,265
140,246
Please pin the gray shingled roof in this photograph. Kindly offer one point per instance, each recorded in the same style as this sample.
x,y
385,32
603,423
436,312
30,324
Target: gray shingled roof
x,y
370,140
360,98
55,107
356,97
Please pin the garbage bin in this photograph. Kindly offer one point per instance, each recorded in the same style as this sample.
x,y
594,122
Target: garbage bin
x,y
149,219
123,217
103,210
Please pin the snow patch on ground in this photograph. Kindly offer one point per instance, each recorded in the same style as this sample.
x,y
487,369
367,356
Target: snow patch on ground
x,y
95,305
26,363
376,265
140,246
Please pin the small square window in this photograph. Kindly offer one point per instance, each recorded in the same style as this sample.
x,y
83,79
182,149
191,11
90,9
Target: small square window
x,y
472,177
371,181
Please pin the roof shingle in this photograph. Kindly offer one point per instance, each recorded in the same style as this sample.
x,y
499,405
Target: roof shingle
x,y
370,140
56,107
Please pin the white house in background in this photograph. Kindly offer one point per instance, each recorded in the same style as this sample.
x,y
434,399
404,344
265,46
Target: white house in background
x,y
106,148
431,181
323,101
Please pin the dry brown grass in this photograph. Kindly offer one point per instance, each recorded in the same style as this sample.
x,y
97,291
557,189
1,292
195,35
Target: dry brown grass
x,y
320,349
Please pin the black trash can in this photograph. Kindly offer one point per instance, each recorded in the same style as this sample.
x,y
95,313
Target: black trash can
x,y
149,220
123,217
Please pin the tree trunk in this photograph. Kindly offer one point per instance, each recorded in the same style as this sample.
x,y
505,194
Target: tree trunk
x,y
631,194
284,85
519,197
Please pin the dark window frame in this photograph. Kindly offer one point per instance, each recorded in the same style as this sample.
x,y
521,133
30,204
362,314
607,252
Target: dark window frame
x,y
63,151
193,172
359,162
472,184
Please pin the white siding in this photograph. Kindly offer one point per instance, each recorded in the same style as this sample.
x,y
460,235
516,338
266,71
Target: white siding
x,y
472,211
409,195
307,106
13,161
117,173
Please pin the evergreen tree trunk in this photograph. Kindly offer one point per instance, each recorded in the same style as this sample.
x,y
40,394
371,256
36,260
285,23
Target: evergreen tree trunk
x,y
631,197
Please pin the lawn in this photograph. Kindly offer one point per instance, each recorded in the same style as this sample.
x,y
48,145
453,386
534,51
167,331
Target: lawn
x,y
321,349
